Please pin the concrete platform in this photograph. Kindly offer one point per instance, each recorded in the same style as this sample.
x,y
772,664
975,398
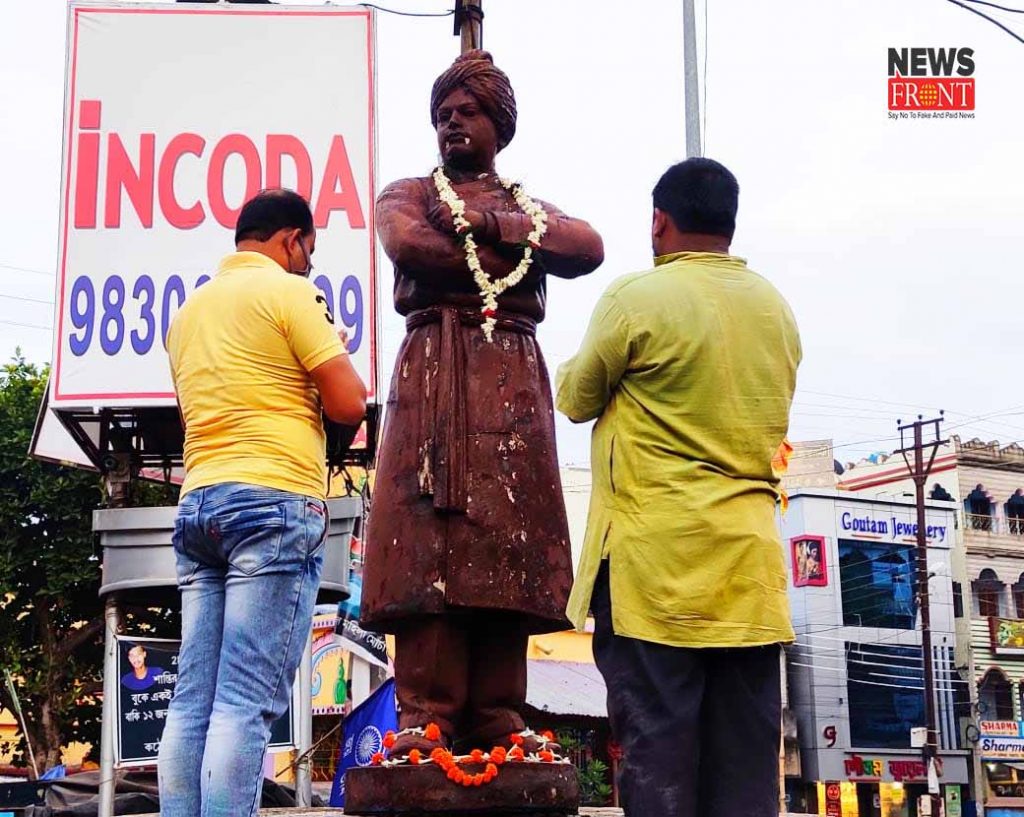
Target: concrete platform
x,y
333,812
519,790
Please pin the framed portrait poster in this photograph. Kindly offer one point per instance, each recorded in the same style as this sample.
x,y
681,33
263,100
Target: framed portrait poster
x,y
810,566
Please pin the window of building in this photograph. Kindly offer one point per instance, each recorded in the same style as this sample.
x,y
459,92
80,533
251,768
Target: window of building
x,y
958,600
1018,597
978,506
938,492
877,582
995,696
988,590
882,714
1015,513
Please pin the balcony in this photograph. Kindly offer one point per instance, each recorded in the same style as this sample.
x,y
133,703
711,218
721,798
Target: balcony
x,y
997,524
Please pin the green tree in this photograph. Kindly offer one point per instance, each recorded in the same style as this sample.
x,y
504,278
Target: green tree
x,y
51,619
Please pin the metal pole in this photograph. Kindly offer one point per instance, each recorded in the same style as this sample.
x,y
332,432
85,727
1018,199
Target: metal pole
x,y
117,481
303,778
932,745
108,730
690,80
920,474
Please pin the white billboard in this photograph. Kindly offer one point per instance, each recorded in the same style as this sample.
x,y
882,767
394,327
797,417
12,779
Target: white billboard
x,y
175,115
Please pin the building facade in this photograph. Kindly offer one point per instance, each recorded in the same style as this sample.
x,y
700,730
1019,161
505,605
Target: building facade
x,y
856,677
986,481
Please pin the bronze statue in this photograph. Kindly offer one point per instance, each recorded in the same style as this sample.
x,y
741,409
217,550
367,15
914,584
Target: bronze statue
x,y
467,542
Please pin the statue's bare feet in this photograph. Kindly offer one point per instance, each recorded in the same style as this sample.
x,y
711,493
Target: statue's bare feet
x,y
423,739
528,742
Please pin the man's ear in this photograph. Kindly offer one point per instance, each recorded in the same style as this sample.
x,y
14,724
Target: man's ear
x,y
659,224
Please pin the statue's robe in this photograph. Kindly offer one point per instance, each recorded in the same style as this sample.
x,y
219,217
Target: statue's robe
x,y
467,511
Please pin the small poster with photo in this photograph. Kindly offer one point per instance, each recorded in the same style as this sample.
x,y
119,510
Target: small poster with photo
x,y
810,568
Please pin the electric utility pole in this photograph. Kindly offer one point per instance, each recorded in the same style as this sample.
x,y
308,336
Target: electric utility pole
x,y
919,471
469,23
690,79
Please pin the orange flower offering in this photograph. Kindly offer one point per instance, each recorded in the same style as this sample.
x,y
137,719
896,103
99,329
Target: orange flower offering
x,y
389,739
476,756
415,757
517,739
438,755
377,759
547,734
491,771
478,780
516,754
498,754
547,755
432,732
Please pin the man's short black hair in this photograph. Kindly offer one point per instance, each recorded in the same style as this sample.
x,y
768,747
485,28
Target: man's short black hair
x,y
272,210
700,196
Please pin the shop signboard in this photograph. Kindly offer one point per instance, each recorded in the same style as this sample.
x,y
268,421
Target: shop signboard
x,y
159,159
899,770
147,672
1002,741
1007,635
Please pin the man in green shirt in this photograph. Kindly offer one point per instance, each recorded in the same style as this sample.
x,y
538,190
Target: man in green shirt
x,y
689,369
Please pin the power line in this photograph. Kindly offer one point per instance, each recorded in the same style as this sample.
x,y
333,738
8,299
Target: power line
x,y
398,13
28,269
28,325
996,6
988,17
26,298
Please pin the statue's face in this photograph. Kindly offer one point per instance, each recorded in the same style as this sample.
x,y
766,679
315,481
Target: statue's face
x,y
466,136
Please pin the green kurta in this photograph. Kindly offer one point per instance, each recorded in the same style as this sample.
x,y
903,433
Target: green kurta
x,y
690,368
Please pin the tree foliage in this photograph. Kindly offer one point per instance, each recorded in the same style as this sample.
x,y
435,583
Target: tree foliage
x,y
51,622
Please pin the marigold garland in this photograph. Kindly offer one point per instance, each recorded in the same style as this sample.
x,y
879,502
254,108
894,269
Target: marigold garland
x,y
451,764
491,289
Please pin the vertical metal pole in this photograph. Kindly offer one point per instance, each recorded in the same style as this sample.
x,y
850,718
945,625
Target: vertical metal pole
x,y
690,80
979,779
304,739
919,472
117,481
108,730
932,745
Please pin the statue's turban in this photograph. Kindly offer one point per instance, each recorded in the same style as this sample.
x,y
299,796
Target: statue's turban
x,y
475,72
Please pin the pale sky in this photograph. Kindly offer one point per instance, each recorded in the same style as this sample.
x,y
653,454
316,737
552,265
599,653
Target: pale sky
x,y
896,243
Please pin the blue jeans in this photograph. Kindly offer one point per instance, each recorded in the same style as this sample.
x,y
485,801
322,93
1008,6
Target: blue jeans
x,y
249,561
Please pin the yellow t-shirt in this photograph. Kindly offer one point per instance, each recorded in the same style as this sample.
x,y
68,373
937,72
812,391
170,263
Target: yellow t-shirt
x,y
241,350
690,368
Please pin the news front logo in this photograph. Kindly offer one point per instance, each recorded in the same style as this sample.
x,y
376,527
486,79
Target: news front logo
x,y
926,83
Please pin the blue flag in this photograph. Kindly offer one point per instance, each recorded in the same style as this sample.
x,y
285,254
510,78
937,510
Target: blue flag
x,y
363,735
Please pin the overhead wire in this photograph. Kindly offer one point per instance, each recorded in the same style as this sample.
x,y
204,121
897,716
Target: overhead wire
x,y
988,17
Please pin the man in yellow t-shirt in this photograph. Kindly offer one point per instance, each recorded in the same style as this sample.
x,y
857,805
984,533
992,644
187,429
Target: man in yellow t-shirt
x,y
689,369
255,357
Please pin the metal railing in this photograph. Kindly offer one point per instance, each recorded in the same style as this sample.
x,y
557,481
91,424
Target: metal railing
x,y
994,523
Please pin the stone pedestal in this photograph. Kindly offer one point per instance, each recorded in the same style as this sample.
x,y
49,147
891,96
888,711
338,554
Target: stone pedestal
x,y
519,790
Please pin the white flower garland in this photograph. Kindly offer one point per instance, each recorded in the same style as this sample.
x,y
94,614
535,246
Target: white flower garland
x,y
489,289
